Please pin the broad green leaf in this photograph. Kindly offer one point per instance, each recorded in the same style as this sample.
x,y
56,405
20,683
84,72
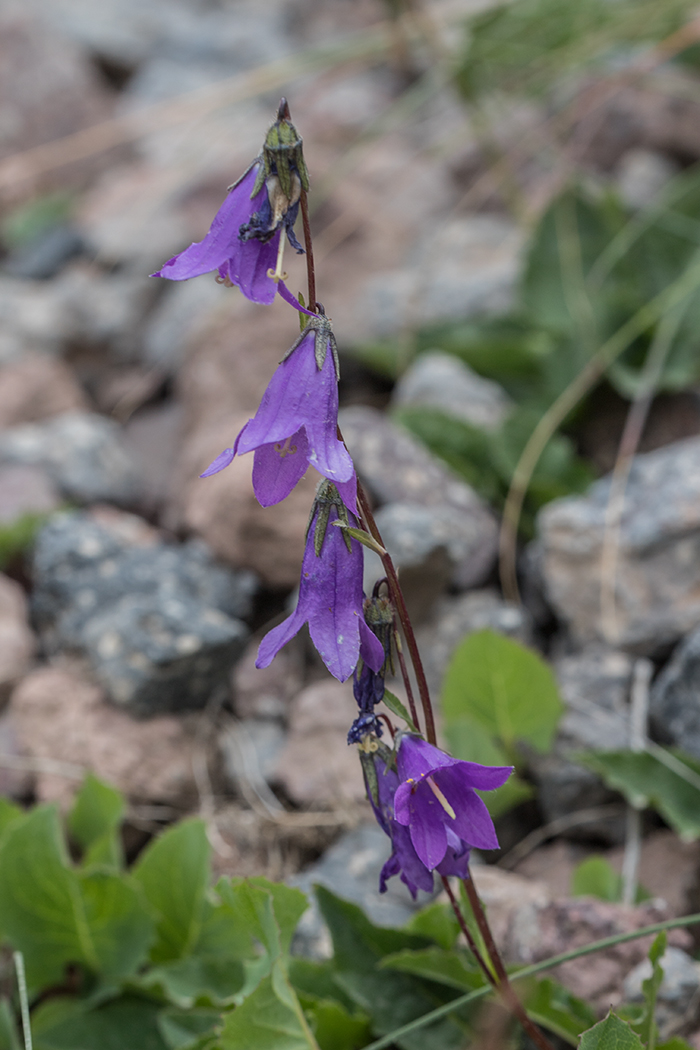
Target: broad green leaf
x,y
504,687
317,980
595,877
264,1021
436,921
451,968
610,1034
645,781
182,1029
56,917
10,1038
120,925
8,812
94,822
390,998
554,1007
222,933
197,979
127,1023
174,873
333,1027
269,911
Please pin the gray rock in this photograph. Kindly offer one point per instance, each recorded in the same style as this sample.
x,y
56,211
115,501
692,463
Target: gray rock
x,y
160,624
462,268
442,381
657,595
351,870
81,452
25,490
455,618
399,470
674,704
594,686
46,255
642,175
678,997
170,327
261,740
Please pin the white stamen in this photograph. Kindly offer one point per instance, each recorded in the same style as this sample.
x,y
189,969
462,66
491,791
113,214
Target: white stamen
x,y
277,274
441,798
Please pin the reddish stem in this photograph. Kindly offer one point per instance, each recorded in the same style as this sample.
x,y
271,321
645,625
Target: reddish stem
x,y
504,986
404,674
308,244
467,932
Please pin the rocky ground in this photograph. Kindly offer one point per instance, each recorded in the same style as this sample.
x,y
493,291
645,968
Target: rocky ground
x,y
128,629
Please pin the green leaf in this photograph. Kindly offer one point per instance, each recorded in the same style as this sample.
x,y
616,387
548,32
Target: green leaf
x,y
333,1027
595,877
9,1036
504,687
436,921
610,1034
8,812
184,1028
269,911
174,873
398,709
214,980
94,822
554,1007
317,980
452,968
390,998
267,1021
56,917
645,781
127,1023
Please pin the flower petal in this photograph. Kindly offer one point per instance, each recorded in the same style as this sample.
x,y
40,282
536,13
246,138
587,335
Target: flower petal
x,y
485,778
223,460
428,833
371,649
222,238
292,397
278,467
348,492
473,821
417,758
278,637
248,265
414,872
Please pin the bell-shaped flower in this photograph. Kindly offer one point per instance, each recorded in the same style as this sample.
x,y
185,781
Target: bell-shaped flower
x,y
436,800
368,685
245,242
297,422
330,595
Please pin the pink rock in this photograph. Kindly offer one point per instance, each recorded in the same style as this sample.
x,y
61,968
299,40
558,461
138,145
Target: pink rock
x,y
61,717
222,509
25,490
36,387
17,641
317,766
266,692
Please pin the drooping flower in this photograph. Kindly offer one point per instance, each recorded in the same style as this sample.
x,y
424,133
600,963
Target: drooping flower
x,y
436,800
296,422
330,594
245,242
381,782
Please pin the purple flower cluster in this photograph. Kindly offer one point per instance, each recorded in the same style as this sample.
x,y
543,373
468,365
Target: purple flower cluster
x,y
429,809
425,801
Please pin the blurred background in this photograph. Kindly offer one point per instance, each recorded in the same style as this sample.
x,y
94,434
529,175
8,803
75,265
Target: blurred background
x,y
506,217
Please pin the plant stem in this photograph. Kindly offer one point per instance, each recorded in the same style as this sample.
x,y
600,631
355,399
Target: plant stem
x,y
467,932
308,244
404,674
504,986
402,613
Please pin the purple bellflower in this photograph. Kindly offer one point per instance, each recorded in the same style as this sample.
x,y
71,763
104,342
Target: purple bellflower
x,y
245,242
330,594
296,423
437,802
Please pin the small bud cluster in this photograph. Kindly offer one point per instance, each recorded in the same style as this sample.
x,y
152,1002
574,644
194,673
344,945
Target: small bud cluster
x,y
423,799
